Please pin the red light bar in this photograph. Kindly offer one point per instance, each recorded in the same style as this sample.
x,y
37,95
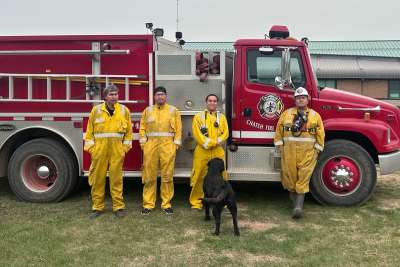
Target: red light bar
x,y
278,31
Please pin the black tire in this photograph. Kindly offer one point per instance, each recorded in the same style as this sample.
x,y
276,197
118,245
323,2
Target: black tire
x,y
23,176
363,189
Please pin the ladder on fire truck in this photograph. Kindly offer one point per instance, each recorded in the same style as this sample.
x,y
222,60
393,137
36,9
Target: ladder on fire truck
x,y
90,86
90,92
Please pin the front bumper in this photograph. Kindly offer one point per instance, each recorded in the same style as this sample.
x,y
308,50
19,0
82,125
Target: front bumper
x,y
389,163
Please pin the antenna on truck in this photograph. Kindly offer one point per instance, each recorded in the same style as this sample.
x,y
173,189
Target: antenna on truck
x,y
177,15
178,34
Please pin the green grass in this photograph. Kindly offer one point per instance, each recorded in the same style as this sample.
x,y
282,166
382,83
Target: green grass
x,y
62,234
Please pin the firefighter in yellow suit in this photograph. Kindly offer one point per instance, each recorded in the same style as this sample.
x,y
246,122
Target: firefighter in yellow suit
x,y
108,138
299,137
160,138
210,130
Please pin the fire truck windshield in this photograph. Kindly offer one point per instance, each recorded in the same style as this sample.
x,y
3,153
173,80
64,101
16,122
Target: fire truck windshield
x,y
264,68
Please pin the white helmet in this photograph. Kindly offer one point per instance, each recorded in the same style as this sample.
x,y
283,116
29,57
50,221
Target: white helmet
x,y
300,91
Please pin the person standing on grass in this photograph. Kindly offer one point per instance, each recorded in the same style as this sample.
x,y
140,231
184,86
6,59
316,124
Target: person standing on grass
x,y
299,137
210,130
160,137
108,138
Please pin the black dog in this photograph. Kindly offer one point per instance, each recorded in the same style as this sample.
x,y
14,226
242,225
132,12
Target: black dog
x,y
218,193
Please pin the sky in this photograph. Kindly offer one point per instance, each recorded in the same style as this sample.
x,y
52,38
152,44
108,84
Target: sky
x,y
205,20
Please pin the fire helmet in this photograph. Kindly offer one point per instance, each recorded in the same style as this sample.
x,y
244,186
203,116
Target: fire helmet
x,y
300,91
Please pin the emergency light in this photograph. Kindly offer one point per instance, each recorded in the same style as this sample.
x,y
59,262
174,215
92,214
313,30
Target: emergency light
x,y
279,31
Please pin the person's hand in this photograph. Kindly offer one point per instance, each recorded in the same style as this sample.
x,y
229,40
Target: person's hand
x,y
212,143
127,148
90,150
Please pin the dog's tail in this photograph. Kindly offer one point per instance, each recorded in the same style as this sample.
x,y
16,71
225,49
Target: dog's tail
x,y
217,199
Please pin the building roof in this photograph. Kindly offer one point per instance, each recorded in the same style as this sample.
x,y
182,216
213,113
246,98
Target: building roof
x,y
355,67
372,48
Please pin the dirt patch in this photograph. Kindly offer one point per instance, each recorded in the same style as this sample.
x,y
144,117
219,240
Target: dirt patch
x,y
388,204
191,232
278,238
137,261
251,259
295,225
187,247
340,220
390,180
242,208
315,226
256,226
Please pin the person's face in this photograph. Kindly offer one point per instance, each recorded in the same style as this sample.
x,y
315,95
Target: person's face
x,y
212,103
301,101
111,98
160,98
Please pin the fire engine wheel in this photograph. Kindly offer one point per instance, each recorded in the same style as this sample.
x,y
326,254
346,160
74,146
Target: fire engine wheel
x,y
42,170
345,175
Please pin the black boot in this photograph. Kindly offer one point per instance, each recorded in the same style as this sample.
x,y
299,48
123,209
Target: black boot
x,y
292,196
298,207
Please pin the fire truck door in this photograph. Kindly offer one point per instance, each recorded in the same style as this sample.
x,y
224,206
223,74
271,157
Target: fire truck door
x,y
267,90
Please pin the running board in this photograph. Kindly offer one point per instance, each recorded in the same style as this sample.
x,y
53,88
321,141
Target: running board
x,y
242,175
179,172
248,163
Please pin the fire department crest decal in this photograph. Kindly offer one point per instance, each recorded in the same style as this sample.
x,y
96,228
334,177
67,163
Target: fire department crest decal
x,y
270,106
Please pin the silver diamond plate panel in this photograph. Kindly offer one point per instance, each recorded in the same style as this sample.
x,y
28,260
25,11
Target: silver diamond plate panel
x,y
182,91
174,65
251,159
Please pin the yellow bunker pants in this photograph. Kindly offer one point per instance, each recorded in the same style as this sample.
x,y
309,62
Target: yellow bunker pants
x,y
200,159
298,162
107,154
159,153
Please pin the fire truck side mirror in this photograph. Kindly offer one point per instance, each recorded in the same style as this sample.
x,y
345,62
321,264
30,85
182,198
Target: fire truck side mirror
x,y
278,82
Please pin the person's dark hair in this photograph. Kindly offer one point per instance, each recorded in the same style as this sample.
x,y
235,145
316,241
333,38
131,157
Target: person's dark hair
x,y
160,89
212,95
110,88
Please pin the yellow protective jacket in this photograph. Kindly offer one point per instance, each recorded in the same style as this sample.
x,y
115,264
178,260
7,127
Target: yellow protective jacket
x,y
216,135
101,125
161,121
314,130
209,146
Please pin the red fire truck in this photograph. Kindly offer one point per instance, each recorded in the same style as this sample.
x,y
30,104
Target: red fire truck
x,y
48,85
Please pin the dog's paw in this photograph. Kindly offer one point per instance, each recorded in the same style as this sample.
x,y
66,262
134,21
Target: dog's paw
x,y
216,233
207,218
237,233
